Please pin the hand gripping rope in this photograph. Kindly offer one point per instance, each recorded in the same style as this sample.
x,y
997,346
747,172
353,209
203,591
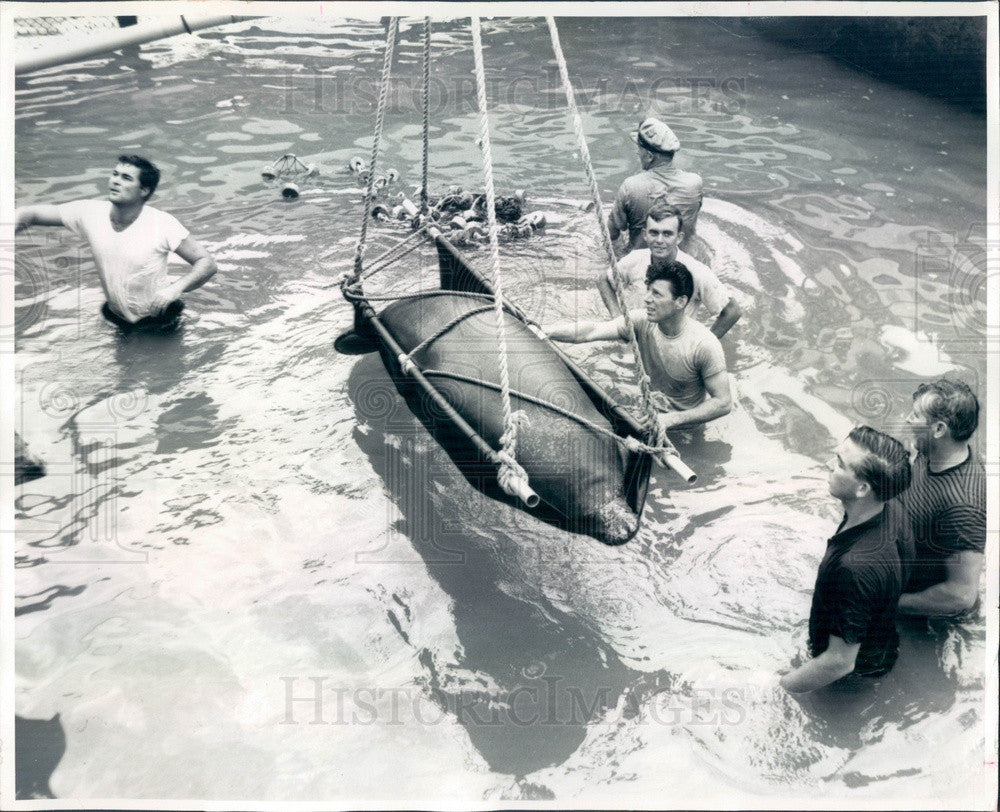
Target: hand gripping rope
x,y
512,477
659,438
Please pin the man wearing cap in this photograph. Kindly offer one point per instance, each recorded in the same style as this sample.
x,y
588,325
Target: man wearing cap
x,y
660,179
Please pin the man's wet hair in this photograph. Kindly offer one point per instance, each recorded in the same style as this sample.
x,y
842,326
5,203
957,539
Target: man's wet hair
x,y
886,466
662,210
952,402
149,175
674,272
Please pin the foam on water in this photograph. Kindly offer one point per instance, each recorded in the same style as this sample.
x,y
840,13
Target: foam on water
x,y
917,353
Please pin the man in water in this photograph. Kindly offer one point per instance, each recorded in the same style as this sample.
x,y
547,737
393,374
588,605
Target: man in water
x,y
946,503
130,242
852,621
663,233
683,358
659,179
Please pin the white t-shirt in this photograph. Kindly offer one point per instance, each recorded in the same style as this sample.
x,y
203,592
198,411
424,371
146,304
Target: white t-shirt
x,y
709,292
132,263
677,365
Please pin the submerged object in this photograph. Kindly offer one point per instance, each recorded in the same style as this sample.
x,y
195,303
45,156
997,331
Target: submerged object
x,y
26,465
288,164
285,166
585,480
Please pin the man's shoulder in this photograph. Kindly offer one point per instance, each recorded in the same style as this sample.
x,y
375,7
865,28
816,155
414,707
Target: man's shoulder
x,y
876,554
155,213
700,334
696,266
637,259
704,346
879,543
864,561
162,219
963,484
86,206
973,469
640,180
83,216
677,176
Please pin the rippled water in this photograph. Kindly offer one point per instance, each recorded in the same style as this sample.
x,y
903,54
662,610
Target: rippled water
x,y
236,517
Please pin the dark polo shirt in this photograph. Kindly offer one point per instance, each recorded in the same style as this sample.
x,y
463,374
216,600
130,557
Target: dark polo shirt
x,y
857,589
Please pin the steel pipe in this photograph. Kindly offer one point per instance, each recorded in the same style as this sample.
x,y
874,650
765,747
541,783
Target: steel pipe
x,y
70,49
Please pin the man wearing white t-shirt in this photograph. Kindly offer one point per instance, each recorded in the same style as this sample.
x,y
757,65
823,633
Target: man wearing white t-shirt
x,y
131,243
663,233
684,360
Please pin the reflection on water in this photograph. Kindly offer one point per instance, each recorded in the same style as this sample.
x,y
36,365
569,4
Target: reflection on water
x,y
232,508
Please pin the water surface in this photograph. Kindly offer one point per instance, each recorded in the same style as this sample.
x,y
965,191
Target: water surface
x,y
251,574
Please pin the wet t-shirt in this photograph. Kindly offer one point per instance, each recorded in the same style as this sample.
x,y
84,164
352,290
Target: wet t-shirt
x,y
857,590
637,193
132,264
677,365
947,511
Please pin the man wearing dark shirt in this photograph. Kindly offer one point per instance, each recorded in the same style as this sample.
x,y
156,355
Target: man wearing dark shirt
x,y
946,503
852,620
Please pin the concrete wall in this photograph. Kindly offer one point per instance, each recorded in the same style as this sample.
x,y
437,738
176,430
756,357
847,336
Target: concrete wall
x,y
941,56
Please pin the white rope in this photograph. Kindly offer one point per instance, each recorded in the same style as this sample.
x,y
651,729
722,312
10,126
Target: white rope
x,y
383,95
426,74
508,440
652,423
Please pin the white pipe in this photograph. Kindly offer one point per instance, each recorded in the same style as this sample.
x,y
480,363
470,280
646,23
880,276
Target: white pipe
x,y
678,466
71,49
518,486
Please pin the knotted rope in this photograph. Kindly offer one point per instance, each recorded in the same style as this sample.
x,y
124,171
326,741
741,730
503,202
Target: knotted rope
x,y
383,95
510,470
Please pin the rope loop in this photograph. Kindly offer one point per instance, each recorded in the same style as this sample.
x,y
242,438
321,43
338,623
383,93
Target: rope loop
x,y
509,437
633,444
514,479
406,363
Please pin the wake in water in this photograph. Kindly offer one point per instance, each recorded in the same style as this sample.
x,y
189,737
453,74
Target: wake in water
x,y
670,645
